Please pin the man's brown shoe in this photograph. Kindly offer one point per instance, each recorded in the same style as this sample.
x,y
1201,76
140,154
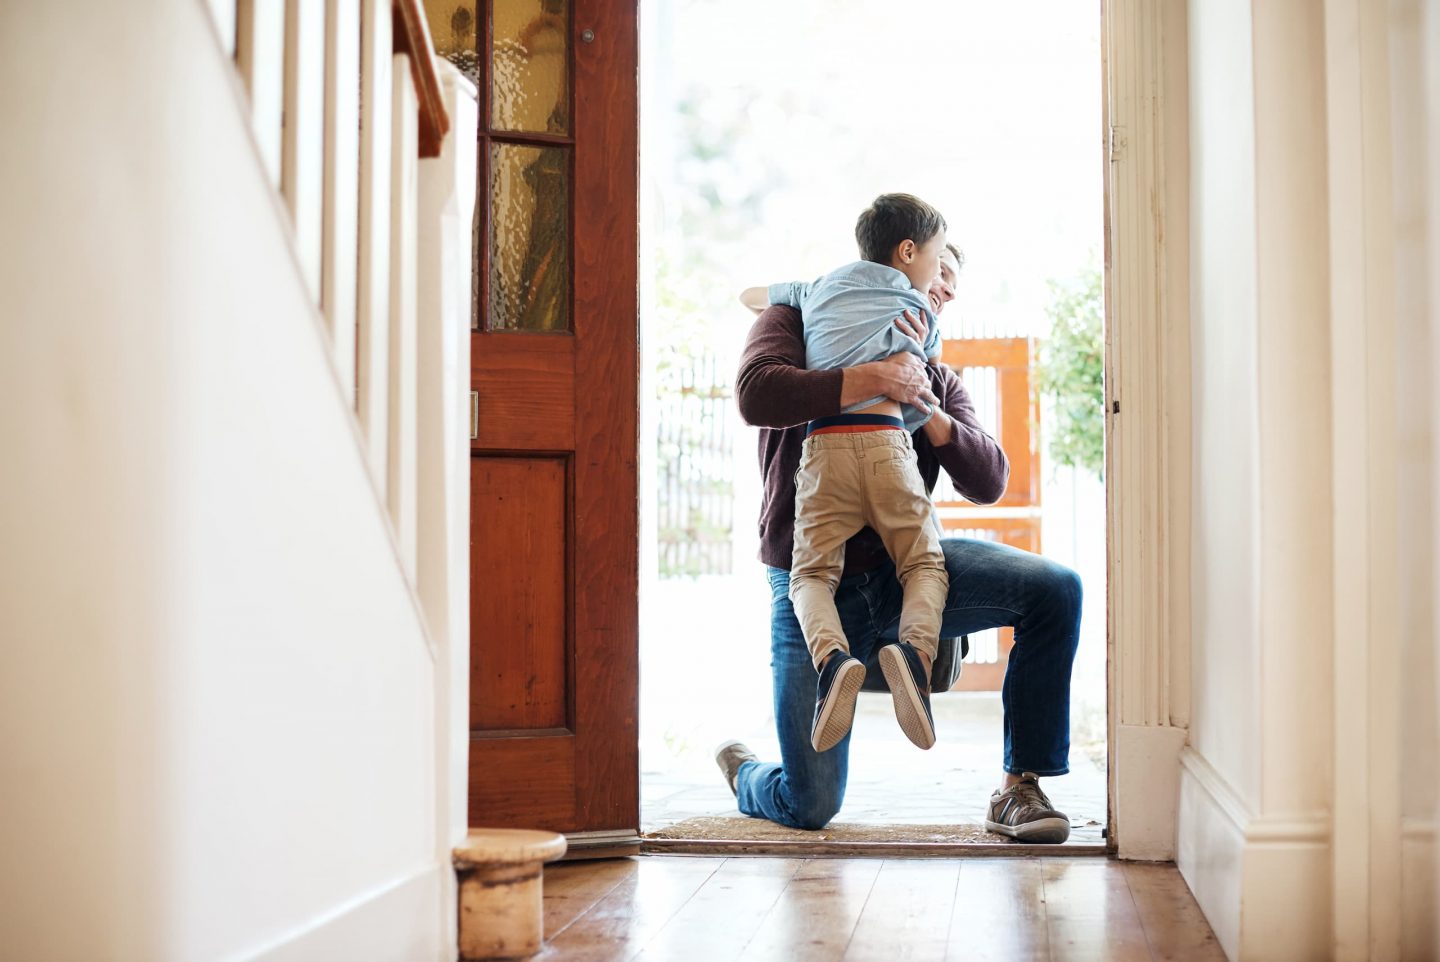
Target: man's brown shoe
x,y
1024,813
730,756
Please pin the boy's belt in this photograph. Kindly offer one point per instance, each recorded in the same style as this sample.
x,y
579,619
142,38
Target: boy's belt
x,y
853,424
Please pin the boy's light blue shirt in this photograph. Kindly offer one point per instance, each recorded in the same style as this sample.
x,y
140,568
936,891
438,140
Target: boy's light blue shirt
x,y
849,319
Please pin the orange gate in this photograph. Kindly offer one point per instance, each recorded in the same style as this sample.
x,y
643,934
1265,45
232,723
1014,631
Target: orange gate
x,y
996,371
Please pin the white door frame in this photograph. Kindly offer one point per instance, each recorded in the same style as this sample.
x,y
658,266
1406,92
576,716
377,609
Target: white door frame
x,y
1147,405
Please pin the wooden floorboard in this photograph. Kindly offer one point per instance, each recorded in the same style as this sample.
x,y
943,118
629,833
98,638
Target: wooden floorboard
x,y
620,924
908,913
571,888
703,909
724,915
1173,923
816,914
1089,913
1000,912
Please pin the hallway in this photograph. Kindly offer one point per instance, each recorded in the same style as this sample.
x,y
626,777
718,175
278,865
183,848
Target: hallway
x,y
701,909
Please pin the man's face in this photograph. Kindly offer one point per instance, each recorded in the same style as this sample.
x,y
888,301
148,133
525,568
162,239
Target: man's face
x,y
942,289
920,263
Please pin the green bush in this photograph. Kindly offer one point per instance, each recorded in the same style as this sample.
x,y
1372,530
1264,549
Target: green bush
x,y
1070,371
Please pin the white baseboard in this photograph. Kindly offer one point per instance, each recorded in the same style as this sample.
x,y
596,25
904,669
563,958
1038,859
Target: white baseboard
x,y
1417,889
1147,790
1210,847
1263,882
397,922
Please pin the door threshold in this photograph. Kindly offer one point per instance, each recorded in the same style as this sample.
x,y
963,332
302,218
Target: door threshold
x,y
616,843
847,849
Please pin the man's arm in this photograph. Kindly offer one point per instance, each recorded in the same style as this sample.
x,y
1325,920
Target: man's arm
x,y
974,460
774,390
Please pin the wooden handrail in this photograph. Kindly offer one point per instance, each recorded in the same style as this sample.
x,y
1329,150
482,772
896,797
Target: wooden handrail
x,y
412,37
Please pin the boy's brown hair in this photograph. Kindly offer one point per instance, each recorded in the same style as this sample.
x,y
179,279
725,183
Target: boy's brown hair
x,y
891,219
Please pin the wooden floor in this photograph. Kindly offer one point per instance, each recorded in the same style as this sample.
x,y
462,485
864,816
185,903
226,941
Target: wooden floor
x,y
698,909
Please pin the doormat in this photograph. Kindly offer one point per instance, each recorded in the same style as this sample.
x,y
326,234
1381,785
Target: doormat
x,y
738,835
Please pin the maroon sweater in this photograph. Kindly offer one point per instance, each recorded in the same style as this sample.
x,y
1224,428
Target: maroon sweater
x,y
777,394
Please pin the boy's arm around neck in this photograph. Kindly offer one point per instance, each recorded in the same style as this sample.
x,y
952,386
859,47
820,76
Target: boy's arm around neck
x,y
755,298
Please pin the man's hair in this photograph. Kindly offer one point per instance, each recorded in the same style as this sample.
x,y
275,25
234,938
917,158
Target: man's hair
x,y
891,219
957,253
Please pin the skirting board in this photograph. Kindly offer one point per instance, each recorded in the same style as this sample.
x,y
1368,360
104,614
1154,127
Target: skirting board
x,y
1263,882
395,922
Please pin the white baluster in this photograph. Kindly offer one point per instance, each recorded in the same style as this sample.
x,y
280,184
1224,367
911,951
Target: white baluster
x,y
373,342
223,13
302,152
260,56
339,273
405,155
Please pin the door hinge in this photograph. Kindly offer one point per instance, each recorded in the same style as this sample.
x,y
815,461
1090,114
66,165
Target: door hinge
x,y
1115,149
474,415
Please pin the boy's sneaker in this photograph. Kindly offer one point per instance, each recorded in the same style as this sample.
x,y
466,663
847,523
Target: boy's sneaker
x,y
840,679
730,756
910,691
1024,813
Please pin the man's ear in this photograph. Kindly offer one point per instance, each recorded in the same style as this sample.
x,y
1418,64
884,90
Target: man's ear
x,y
906,251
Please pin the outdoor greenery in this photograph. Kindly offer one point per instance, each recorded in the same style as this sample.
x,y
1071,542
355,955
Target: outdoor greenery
x,y
722,178
1070,372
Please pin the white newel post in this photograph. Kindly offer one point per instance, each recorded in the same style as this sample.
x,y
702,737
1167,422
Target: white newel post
x,y
443,263
1147,398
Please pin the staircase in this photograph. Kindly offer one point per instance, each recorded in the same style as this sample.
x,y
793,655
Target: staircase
x,y
234,578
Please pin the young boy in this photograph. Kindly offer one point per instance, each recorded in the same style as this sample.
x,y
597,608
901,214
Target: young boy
x,y
858,468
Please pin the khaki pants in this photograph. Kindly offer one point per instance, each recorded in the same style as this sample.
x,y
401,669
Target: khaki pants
x,y
845,482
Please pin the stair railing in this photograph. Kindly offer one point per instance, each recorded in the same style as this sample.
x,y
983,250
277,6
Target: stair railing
x,y
350,109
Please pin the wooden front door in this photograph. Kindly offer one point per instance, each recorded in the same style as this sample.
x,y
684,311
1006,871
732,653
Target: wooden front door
x,y
554,373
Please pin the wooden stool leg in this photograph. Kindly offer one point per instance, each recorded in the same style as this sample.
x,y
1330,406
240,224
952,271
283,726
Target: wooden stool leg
x,y
501,911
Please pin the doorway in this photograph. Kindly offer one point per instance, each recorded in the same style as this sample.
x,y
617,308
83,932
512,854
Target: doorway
x,y
765,129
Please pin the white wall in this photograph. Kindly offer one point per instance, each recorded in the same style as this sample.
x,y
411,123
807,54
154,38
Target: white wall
x,y
215,691
1225,414
1308,790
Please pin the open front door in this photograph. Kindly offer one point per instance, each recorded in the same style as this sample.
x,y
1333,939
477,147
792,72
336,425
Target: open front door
x,y
554,373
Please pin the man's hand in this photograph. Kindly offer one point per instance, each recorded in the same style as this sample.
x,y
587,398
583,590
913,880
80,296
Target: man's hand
x,y
913,327
900,377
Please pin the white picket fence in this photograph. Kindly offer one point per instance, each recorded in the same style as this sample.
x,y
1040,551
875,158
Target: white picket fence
x,y
695,463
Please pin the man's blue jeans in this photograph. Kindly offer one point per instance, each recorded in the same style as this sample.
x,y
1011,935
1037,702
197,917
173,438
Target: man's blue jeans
x,y
991,586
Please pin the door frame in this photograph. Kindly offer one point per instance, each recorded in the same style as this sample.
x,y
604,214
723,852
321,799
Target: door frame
x,y
1147,324
1147,417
